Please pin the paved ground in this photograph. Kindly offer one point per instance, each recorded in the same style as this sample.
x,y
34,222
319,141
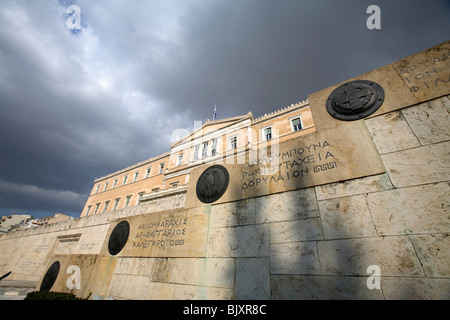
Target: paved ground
x,y
16,289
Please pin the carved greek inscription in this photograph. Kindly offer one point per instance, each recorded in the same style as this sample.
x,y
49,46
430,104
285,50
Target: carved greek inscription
x,y
163,233
290,164
89,245
427,74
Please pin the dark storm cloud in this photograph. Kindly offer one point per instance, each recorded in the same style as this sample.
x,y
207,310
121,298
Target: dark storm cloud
x,y
261,56
78,105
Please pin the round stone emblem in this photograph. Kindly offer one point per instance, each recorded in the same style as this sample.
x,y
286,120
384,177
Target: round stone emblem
x,y
355,100
119,237
50,277
212,184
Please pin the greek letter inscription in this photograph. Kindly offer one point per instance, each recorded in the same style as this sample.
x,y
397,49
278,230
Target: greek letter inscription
x,y
427,74
163,233
291,164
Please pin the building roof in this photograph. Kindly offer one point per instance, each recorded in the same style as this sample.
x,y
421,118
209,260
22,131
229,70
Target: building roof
x,y
209,126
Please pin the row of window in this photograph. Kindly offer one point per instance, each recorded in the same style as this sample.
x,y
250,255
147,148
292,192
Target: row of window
x,y
116,204
296,125
125,178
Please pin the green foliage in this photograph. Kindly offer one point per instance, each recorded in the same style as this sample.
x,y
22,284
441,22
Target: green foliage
x,y
50,295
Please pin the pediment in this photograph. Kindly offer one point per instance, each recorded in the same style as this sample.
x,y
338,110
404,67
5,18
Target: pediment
x,y
210,126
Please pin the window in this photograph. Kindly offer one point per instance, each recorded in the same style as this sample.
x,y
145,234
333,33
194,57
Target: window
x,y
140,195
127,201
267,134
116,203
214,147
296,124
196,150
98,187
88,209
180,160
106,206
106,186
136,174
205,150
125,179
233,143
115,183
161,167
148,172
96,208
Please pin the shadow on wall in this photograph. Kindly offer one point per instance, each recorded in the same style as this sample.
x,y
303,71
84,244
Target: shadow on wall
x,y
305,244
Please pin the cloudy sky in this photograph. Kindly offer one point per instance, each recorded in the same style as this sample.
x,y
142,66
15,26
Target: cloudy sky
x,y
76,105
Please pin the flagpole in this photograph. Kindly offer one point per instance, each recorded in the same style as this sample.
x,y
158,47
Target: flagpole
x,y
215,113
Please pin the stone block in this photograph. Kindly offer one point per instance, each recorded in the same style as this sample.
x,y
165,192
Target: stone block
x,y
216,272
347,217
124,265
295,230
233,213
197,271
434,254
294,258
421,209
426,73
142,266
252,279
287,287
181,270
161,270
415,288
118,282
175,233
397,96
135,287
394,255
354,187
244,241
160,291
426,164
430,120
291,205
183,292
391,132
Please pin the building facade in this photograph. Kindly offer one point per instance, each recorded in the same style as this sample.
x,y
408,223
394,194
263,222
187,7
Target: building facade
x,y
221,141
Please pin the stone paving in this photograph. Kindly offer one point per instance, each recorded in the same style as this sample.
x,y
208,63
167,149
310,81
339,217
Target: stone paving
x,y
16,289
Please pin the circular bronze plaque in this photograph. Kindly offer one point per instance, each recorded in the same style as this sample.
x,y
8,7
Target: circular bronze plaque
x,y
50,277
355,100
212,184
119,237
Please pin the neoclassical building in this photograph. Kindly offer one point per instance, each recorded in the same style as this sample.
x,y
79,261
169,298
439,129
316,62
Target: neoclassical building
x,y
220,141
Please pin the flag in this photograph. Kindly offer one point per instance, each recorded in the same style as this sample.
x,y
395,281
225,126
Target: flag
x,y
215,113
